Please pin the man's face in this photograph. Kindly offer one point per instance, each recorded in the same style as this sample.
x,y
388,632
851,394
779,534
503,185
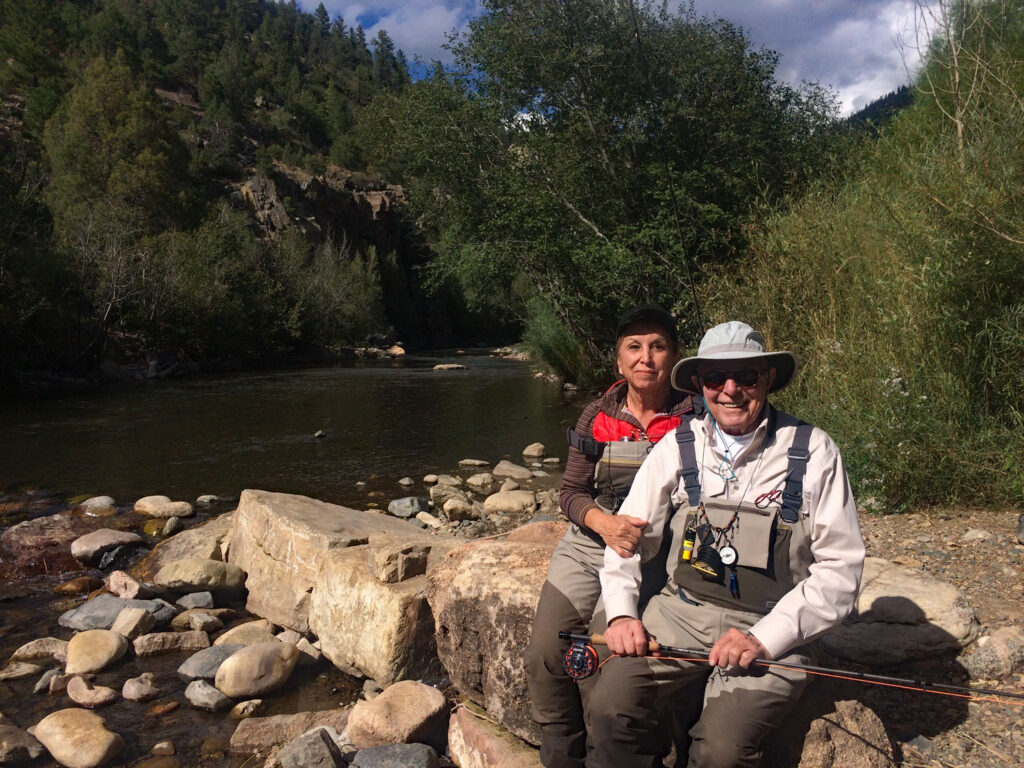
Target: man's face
x,y
736,405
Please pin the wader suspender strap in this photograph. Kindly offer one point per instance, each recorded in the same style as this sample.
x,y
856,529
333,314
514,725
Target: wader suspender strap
x,y
688,459
793,492
588,446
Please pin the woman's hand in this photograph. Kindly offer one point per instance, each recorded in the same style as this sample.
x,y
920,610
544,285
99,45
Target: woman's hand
x,y
626,636
620,532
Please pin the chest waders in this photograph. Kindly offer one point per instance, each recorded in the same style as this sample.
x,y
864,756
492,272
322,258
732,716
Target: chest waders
x,y
772,544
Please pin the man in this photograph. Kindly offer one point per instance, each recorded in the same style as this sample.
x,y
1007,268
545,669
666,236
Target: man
x,y
766,555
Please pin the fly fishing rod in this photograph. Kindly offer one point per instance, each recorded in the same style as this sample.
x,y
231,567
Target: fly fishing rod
x,y
580,661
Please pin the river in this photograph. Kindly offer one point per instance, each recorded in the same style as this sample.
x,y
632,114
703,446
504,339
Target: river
x,y
221,434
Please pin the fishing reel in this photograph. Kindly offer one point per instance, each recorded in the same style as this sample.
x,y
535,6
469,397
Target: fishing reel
x,y
579,660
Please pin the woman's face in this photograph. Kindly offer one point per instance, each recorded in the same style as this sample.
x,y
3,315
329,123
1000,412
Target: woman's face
x,y
645,358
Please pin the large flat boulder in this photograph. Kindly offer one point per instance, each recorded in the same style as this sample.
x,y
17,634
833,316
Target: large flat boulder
x,y
384,631
474,741
902,613
484,596
282,542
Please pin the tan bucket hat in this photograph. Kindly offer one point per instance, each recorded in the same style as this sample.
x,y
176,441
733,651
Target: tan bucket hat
x,y
734,340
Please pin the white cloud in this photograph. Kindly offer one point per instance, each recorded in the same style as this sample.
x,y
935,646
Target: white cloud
x,y
850,45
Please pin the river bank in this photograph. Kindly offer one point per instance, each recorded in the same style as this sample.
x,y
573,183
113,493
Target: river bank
x,y
975,553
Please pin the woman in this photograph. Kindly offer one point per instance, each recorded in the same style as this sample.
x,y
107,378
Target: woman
x,y
611,440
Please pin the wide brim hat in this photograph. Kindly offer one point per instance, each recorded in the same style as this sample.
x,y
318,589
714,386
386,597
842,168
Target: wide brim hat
x,y
733,341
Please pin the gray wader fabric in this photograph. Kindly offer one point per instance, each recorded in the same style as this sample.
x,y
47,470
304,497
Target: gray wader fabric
x,y
728,714
567,602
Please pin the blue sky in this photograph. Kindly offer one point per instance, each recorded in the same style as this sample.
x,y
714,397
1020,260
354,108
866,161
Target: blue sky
x,y
850,45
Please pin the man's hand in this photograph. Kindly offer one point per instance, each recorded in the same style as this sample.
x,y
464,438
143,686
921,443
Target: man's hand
x,y
620,532
626,636
736,648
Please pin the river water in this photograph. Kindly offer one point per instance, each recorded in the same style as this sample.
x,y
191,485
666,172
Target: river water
x,y
221,434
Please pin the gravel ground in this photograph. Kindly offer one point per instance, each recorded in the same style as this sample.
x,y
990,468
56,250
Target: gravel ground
x,y
977,551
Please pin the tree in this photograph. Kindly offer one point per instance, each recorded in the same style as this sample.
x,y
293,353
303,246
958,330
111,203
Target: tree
x,y
598,167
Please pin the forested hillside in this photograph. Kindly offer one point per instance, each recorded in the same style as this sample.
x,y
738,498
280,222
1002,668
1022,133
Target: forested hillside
x,y
131,134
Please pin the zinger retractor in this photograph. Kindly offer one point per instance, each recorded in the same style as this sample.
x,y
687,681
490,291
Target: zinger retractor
x,y
580,659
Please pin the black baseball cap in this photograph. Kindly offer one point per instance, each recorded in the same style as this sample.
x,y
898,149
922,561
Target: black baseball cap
x,y
648,313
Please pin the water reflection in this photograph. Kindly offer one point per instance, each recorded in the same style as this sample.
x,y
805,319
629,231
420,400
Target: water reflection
x,y
222,434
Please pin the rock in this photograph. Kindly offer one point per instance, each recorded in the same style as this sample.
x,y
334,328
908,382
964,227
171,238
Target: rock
x,y
407,482
161,506
248,633
480,479
196,600
441,493
256,669
80,586
133,622
515,471
474,463
474,741
172,526
449,367
122,584
162,749
552,460
98,506
204,664
183,621
207,499
261,734
405,712
288,636
979,534
429,479
510,485
407,507
824,733
202,695
534,451
17,670
17,747
59,683
154,527
429,520
94,650
510,502
312,750
197,574
282,541
92,546
392,561
483,598
42,546
84,693
396,756
170,642
1019,531
102,611
140,688
245,709
202,542
902,614
309,654
43,684
450,480
204,622
47,650
540,473
77,738
999,657
459,509
320,434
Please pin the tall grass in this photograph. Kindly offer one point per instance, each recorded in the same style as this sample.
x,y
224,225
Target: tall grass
x,y
901,287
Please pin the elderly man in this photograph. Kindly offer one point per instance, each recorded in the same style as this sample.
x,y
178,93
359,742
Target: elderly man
x,y
766,555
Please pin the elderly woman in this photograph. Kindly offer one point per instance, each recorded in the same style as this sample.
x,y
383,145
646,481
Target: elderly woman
x,y
612,437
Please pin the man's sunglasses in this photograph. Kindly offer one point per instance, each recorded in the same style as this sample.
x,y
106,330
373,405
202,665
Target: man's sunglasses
x,y
744,377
